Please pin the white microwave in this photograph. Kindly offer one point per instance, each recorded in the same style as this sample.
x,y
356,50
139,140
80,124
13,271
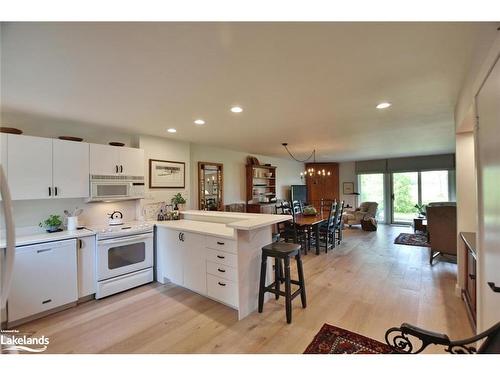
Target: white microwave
x,y
113,188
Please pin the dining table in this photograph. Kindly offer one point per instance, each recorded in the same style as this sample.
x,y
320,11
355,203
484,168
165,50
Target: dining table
x,y
314,222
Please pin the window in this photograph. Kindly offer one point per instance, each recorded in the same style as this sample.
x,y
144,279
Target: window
x,y
434,186
371,189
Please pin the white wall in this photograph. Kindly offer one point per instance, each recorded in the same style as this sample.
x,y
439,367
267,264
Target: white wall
x,y
466,197
347,173
170,150
288,172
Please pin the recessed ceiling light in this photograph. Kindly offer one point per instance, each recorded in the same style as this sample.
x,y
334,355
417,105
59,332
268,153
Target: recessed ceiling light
x,y
236,109
383,105
172,130
199,122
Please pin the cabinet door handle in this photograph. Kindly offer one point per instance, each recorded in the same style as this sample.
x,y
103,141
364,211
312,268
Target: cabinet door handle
x,y
222,284
218,269
46,301
50,191
55,191
220,243
43,251
493,287
121,168
221,257
472,277
116,166
80,243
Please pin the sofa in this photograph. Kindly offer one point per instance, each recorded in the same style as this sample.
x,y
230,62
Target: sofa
x,y
365,210
442,228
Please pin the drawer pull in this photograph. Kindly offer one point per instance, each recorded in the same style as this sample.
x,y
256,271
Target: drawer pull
x,y
218,269
46,301
43,251
221,257
220,243
222,284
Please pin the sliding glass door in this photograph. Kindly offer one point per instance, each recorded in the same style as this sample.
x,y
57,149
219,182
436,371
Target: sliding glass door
x,y
405,194
411,188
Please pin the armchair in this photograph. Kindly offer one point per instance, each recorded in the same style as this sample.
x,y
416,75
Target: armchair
x,y
365,210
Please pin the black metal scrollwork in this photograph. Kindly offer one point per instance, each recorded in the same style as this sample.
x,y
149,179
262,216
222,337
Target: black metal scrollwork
x,y
460,349
401,343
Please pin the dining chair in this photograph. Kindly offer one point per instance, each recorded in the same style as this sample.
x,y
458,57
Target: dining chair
x,y
297,207
325,205
337,225
326,229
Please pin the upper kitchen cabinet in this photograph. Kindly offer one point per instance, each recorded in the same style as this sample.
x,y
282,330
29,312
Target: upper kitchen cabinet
x,y
40,168
70,169
112,160
104,160
131,161
29,167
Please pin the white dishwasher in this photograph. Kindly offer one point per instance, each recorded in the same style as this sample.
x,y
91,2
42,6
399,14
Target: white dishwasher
x,y
44,277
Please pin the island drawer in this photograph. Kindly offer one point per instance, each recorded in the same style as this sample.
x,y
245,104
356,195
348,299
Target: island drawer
x,y
222,257
223,244
226,272
222,290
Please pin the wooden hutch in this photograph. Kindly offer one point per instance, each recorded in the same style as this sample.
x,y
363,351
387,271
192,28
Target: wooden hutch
x,y
323,187
261,188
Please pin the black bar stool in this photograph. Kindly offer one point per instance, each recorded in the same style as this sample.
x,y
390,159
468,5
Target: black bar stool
x,y
282,251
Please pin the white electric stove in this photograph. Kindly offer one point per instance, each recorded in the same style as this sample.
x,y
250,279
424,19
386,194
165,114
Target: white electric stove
x,y
124,257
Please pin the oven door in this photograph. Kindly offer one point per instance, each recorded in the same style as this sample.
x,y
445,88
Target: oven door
x,y
110,190
119,256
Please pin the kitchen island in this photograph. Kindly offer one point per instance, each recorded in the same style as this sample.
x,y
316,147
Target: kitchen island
x,y
216,254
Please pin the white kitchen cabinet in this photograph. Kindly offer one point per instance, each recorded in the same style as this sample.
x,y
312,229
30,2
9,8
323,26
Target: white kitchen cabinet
x,y
86,257
29,167
195,267
104,159
39,168
169,256
44,277
112,160
70,169
131,161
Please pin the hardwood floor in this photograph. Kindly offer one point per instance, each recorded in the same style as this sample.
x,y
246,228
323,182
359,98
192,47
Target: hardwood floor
x,y
366,285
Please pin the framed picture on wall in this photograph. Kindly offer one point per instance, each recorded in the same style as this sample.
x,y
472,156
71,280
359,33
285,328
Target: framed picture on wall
x,y
348,187
166,174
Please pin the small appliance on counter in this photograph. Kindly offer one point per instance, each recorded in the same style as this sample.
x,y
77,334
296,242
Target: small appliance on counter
x,y
115,218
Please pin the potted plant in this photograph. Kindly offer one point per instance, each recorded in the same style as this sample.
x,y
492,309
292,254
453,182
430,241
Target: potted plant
x,y
177,200
421,210
52,223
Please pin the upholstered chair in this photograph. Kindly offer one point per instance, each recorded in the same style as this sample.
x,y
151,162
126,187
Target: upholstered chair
x,y
365,210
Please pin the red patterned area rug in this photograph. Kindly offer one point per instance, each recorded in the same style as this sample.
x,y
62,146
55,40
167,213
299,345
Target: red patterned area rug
x,y
412,239
335,340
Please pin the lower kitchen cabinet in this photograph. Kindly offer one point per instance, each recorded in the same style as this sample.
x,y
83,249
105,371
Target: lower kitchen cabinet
x,y
169,256
44,277
194,265
86,255
196,262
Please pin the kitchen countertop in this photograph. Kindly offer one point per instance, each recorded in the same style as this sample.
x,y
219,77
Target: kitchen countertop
x,y
238,220
41,237
200,227
470,241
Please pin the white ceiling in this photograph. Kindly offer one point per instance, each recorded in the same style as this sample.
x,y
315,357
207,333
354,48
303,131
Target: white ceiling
x,y
313,85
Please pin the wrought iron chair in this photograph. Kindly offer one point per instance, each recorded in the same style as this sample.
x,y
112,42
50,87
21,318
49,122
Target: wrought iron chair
x,y
409,339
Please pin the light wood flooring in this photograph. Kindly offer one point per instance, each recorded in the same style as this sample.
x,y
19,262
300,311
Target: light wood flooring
x,y
366,285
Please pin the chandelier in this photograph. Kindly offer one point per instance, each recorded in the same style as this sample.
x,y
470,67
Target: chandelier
x,y
309,172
